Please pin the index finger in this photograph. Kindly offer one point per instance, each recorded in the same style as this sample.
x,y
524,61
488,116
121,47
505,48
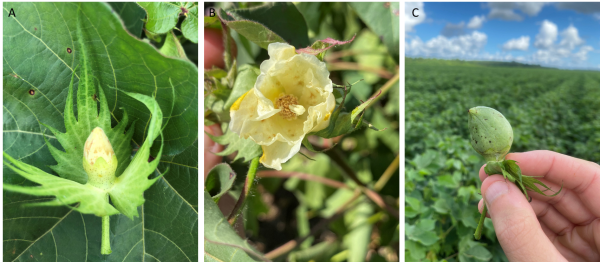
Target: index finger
x,y
578,175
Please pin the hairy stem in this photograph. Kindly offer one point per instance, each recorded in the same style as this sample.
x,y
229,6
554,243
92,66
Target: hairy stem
x,y
239,206
105,247
480,224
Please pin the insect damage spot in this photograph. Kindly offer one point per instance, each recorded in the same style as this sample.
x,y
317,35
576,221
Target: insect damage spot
x,y
69,50
31,92
35,28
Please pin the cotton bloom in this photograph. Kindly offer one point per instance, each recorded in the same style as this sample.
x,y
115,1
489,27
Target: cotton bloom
x,y
292,97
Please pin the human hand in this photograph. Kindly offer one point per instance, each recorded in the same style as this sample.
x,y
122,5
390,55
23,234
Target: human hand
x,y
214,48
565,227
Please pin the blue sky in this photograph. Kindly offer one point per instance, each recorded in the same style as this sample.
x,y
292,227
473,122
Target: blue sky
x,y
562,35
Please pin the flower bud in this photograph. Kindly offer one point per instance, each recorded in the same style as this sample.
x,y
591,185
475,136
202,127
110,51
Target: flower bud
x,y
491,133
99,160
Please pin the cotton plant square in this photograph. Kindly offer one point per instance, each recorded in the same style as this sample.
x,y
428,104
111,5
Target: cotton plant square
x,y
94,154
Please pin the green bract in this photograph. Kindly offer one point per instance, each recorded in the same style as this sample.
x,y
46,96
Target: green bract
x,y
491,133
127,191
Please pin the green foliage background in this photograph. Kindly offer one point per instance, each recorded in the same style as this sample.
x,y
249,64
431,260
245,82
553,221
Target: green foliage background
x,y
548,109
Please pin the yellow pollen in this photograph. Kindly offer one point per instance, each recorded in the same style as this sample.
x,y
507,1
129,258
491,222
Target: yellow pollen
x,y
284,102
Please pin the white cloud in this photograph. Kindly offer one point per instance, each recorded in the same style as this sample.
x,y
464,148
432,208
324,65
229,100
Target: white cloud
x,y
463,46
561,56
409,20
506,11
547,35
582,54
504,14
570,38
501,5
554,54
550,53
530,8
451,30
476,22
563,49
561,52
545,57
521,43
583,7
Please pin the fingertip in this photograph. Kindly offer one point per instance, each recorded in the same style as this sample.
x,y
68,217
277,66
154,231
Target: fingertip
x,y
482,174
214,130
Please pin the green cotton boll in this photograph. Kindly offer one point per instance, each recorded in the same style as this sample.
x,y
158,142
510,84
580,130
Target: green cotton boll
x,y
491,133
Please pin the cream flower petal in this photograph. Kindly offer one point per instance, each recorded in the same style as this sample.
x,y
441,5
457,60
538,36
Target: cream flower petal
x,y
267,131
265,107
321,113
277,153
281,51
242,109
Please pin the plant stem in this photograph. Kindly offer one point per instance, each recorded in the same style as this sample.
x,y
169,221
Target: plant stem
x,y
386,87
105,247
239,206
480,225
387,174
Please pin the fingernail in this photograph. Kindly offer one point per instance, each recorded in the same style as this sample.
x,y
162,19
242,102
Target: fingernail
x,y
495,190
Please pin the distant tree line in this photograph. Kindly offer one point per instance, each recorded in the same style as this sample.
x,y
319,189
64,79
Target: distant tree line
x,y
476,63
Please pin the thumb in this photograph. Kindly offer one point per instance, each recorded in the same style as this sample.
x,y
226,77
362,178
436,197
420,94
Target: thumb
x,y
515,222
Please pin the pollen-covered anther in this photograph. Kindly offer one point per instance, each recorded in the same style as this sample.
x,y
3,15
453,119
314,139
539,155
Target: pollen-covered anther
x,y
288,104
